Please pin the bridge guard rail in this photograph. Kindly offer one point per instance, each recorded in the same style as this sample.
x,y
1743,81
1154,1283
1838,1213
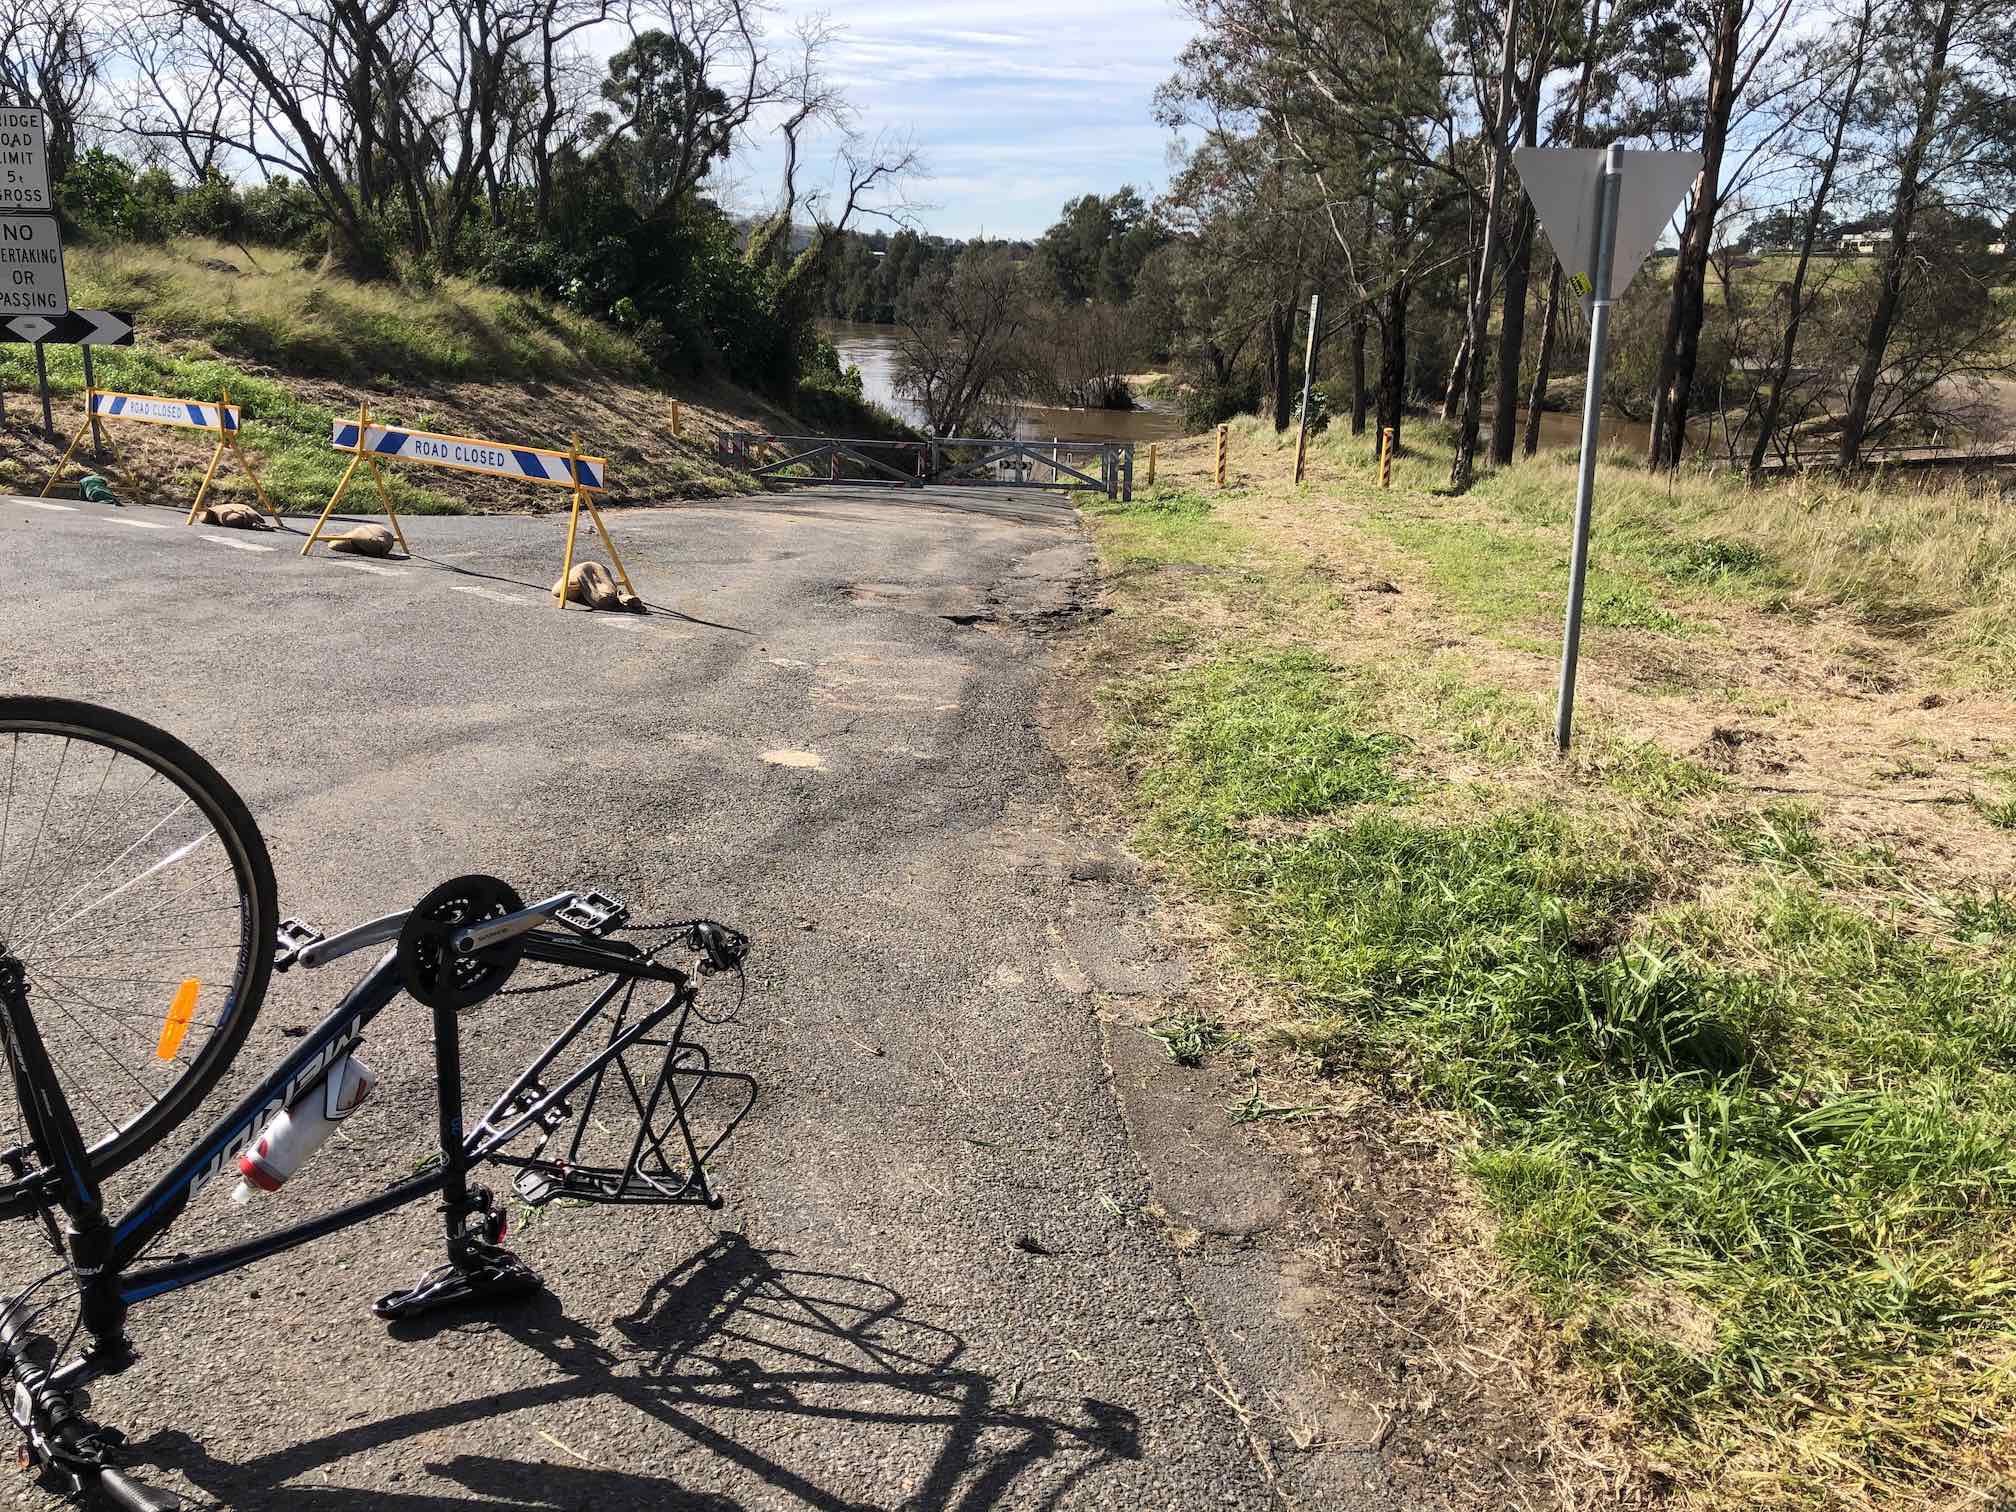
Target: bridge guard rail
x,y
946,461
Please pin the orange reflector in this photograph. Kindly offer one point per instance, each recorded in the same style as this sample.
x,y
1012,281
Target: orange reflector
x,y
180,1011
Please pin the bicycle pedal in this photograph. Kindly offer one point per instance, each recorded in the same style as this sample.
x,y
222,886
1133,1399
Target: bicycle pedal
x,y
290,939
594,913
488,1274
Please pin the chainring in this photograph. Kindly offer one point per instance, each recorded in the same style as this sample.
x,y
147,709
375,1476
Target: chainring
x,y
433,971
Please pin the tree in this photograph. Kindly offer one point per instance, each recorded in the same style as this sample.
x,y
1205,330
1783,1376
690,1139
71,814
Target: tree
x,y
48,62
1497,127
1097,247
669,124
1947,82
962,356
1844,64
1735,36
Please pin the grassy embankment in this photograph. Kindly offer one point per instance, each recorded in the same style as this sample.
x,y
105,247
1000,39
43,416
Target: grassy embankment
x,y
296,348
1720,1013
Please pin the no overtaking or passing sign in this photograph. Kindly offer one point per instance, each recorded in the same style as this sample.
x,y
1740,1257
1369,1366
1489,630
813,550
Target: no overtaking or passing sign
x,y
31,266
24,162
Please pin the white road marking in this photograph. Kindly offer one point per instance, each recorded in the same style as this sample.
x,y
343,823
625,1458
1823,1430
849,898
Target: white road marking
x,y
138,524
367,567
236,545
57,508
488,593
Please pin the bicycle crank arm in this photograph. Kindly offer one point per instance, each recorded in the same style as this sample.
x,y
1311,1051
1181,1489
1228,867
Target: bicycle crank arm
x,y
376,932
524,921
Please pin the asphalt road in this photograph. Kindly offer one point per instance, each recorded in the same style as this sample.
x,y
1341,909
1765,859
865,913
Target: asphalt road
x,y
933,1285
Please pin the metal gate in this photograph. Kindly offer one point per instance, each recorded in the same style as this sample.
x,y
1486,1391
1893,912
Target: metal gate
x,y
1105,467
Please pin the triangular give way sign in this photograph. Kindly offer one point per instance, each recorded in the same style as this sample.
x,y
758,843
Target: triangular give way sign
x,y
1562,182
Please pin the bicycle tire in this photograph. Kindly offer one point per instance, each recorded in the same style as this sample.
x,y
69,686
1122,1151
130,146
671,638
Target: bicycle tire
x,y
251,867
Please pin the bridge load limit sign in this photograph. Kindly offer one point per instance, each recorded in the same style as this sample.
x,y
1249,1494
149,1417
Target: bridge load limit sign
x,y
24,162
31,266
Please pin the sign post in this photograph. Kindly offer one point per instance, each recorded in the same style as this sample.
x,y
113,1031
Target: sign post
x,y
1602,210
31,244
1308,369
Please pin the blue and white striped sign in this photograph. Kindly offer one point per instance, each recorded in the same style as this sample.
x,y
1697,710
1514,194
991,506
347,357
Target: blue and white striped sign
x,y
473,454
188,413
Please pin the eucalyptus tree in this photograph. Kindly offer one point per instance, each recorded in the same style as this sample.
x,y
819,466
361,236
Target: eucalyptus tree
x,y
1946,118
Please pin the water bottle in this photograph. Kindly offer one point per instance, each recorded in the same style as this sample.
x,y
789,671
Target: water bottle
x,y
297,1132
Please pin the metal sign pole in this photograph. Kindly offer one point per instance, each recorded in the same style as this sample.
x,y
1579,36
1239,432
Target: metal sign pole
x,y
42,380
1308,368
90,385
1607,191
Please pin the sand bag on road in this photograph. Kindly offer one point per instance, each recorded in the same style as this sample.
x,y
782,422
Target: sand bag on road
x,y
590,583
363,540
233,517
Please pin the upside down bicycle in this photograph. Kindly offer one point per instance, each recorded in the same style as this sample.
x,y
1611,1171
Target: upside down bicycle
x,y
138,932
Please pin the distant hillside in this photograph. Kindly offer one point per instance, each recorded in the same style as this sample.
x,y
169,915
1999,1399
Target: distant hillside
x,y
297,347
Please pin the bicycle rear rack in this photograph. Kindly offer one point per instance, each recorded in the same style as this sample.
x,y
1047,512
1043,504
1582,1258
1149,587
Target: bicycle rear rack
x,y
645,1153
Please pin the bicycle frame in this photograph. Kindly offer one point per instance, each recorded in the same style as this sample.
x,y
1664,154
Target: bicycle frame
x,y
102,1251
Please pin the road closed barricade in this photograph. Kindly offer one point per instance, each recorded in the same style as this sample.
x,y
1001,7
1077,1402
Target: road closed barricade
x,y
220,420
371,445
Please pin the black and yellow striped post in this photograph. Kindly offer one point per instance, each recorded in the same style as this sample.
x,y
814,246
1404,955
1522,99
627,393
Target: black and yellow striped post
x,y
1151,464
1386,456
1224,446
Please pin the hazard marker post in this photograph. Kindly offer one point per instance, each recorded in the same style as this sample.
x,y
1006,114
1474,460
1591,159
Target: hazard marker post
x,y
220,419
358,454
1602,211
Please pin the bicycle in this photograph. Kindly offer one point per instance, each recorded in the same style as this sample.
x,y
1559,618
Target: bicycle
x,y
189,902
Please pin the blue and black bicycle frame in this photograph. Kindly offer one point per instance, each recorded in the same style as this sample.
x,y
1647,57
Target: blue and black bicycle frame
x,y
106,1254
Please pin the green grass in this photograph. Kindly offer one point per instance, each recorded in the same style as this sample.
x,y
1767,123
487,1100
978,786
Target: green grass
x,y
1507,581
278,313
1741,1093
277,332
1817,1155
1191,1039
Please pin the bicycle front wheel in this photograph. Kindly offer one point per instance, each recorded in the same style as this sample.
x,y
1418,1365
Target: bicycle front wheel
x,y
137,895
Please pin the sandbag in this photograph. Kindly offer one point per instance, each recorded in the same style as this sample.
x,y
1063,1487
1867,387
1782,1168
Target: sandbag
x,y
590,583
93,489
233,517
363,540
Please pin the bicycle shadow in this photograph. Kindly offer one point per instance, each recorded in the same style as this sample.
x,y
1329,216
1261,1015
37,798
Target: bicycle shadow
x,y
728,1332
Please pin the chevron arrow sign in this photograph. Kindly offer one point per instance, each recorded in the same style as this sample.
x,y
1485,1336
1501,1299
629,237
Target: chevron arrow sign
x,y
73,328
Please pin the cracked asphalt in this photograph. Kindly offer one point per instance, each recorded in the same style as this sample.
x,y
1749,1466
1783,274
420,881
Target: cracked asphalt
x,y
934,1284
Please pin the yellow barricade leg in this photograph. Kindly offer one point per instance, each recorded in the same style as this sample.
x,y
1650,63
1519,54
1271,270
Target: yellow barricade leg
x,y
75,441
385,498
252,472
329,508
567,561
596,515
210,472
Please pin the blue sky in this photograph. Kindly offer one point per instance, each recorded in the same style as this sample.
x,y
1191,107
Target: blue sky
x,y
1018,105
